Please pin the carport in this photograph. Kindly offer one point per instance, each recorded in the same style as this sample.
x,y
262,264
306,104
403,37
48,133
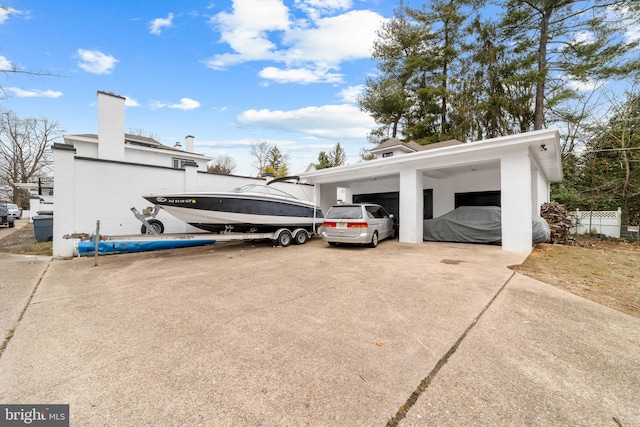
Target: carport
x,y
520,168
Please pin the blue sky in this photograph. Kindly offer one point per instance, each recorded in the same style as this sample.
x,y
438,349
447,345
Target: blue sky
x,y
231,73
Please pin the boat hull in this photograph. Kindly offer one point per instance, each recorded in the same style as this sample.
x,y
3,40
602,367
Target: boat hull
x,y
217,212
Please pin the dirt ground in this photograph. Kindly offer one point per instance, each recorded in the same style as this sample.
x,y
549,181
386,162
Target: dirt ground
x,y
23,242
602,271
606,272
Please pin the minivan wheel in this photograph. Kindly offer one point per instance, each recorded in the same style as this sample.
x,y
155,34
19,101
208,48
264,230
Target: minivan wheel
x,y
374,240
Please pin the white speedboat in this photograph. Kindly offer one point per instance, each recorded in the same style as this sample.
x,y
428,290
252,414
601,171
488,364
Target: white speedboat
x,y
251,208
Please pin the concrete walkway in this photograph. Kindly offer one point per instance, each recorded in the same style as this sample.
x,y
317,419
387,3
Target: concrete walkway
x,y
242,334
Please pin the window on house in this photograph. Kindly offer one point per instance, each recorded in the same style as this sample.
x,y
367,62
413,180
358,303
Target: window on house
x,y
178,163
389,154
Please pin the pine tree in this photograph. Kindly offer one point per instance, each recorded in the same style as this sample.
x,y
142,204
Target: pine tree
x,y
575,39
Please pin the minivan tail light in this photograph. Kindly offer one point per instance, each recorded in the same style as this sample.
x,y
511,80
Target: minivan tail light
x,y
328,224
357,225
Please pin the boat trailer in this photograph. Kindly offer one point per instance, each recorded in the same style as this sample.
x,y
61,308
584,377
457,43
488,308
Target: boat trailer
x,y
153,238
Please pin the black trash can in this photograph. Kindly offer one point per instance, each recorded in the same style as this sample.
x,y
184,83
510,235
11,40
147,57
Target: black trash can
x,y
43,227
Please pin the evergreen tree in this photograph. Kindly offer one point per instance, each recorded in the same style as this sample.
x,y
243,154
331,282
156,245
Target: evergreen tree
x,y
575,39
444,20
336,157
400,54
276,162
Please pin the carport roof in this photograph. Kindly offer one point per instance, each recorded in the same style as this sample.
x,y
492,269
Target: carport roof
x,y
543,146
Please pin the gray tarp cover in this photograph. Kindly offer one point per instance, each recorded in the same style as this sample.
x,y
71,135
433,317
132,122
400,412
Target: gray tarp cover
x,y
476,224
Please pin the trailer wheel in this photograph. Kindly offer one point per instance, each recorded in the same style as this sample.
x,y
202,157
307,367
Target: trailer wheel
x,y
157,226
284,238
300,237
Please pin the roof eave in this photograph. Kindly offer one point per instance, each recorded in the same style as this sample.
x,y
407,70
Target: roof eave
x,y
552,165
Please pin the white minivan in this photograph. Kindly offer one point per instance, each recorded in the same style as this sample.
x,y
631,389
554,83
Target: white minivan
x,y
365,223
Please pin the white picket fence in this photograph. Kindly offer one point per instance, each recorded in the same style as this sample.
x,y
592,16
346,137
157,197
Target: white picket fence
x,y
601,222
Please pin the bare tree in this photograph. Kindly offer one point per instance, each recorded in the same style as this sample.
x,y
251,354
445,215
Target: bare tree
x,y
260,152
24,151
223,164
143,132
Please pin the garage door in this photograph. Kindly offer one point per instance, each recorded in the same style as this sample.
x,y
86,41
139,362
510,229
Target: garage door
x,y
391,202
478,198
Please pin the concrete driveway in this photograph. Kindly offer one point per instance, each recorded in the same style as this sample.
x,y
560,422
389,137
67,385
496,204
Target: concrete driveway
x,y
250,334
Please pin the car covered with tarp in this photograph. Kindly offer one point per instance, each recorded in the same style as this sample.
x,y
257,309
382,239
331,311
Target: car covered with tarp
x,y
476,224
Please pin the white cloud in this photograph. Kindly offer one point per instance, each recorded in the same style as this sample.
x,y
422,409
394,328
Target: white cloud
x,y
316,8
633,33
587,85
34,93
230,143
5,64
584,37
625,19
299,75
327,122
351,93
246,30
156,26
6,12
184,104
130,102
335,39
96,62
309,47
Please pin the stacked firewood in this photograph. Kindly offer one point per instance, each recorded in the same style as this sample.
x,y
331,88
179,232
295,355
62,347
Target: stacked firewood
x,y
560,221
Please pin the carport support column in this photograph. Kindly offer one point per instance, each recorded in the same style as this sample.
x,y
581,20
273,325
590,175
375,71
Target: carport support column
x,y
515,177
411,206
324,196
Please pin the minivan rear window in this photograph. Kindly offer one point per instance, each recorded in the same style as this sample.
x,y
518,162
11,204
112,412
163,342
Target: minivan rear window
x,y
344,212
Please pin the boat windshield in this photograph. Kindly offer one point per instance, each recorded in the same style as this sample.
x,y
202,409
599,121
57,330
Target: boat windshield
x,y
263,189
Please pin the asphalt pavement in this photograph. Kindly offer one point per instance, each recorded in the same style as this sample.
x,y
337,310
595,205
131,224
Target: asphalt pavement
x,y
251,334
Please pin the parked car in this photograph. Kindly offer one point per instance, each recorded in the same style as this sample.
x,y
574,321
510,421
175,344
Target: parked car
x,y
5,217
14,210
365,223
476,224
